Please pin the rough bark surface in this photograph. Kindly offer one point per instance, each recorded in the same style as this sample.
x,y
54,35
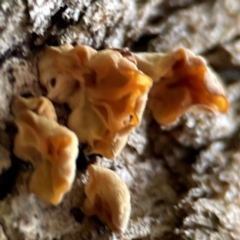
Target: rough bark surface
x,y
184,180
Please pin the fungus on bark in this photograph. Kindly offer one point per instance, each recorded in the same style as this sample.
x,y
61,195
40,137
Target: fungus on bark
x,y
107,103
51,148
180,80
108,198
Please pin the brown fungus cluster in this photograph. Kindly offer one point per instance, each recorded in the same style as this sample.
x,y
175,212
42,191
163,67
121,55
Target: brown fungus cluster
x,y
51,148
180,80
108,198
107,92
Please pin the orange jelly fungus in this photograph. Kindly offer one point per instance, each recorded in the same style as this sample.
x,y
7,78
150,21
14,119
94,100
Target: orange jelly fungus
x,y
108,198
186,82
51,148
109,100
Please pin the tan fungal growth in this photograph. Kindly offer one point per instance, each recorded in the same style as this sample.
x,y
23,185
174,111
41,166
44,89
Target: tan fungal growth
x,y
62,69
108,198
51,148
181,80
40,105
106,92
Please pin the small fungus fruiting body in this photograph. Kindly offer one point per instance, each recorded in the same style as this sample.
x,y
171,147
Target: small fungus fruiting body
x,y
180,80
108,198
62,69
51,148
106,92
39,105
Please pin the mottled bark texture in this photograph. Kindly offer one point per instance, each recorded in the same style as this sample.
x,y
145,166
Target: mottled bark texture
x,y
184,180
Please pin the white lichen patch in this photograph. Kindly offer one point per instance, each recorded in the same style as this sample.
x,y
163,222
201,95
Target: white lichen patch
x,y
200,127
12,15
17,76
32,217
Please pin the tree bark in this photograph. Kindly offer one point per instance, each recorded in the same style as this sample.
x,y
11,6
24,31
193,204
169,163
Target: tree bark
x,y
184,180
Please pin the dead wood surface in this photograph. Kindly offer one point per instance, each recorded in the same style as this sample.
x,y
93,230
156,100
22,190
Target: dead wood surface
x,y
184,180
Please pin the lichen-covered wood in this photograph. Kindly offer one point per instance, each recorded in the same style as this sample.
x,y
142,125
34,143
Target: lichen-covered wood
x,y
183,179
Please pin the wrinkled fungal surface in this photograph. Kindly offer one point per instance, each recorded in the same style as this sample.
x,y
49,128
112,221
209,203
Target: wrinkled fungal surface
x,y
106,93
108,198
50,147
184,178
